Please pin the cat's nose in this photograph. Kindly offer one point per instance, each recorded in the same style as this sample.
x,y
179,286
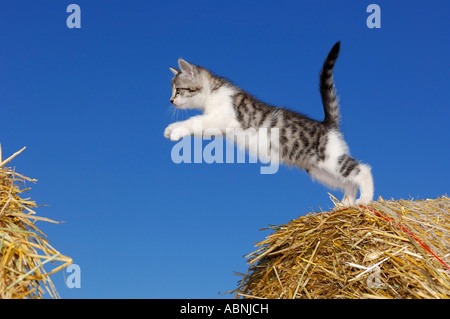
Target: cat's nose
x,y
171,101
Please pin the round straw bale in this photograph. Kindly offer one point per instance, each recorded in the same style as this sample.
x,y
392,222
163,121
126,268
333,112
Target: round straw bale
x,y
24,252
388,249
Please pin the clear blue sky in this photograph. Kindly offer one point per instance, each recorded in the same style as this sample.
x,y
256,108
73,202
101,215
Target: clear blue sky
x,y
91,105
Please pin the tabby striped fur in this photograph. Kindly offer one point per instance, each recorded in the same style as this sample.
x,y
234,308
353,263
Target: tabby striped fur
x,y
315,146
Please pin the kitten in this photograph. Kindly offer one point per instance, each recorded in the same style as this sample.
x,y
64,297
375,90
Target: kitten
x,y
317,147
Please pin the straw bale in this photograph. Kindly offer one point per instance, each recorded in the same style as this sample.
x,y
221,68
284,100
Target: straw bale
x,y
388,249
24,252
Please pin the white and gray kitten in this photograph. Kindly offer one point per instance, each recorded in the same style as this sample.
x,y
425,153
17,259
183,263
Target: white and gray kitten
x,y
315,146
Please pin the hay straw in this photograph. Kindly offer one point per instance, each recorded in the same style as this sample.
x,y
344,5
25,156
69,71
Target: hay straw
x,y
23,249
388,249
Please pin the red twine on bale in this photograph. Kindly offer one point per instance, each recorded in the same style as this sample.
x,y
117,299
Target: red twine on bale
x,y
406,231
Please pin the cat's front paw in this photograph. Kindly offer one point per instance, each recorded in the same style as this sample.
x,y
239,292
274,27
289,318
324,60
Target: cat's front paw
x,y
175,132
178,133
169,129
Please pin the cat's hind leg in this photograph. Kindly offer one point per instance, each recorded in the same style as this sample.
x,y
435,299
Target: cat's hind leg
x,y
364,180
359,174
350,189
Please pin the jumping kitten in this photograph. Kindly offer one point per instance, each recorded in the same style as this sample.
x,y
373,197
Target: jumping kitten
x,y
317,147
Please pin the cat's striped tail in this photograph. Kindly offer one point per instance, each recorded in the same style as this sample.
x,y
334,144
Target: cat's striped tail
x,y
327,90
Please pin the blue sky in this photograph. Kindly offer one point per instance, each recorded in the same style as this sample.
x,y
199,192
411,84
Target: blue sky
x,y
91,105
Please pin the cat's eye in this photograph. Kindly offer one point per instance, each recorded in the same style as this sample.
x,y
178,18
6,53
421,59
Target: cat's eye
x,y
178,90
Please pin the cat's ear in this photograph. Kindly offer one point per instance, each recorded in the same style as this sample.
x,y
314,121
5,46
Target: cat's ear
x,y
174,71
187,68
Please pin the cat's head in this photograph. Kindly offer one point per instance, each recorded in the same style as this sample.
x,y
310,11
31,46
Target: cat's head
x,y
187,86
